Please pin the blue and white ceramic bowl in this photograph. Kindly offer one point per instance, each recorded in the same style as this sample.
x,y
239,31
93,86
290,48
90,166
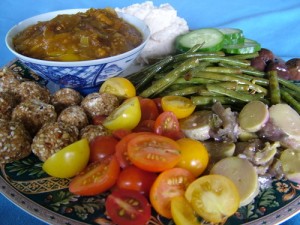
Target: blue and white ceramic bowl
x,y
84,76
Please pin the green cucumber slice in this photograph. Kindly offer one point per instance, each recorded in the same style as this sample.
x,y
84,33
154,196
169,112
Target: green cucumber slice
x,y
232,36
211,39
249,46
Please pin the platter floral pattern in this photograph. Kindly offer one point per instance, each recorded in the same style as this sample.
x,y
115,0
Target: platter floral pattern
x,y
26,184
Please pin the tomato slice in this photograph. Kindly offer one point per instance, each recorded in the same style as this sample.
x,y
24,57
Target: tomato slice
x,y
167,124
121,149
153,152
181,106
101,147
96,178
169,184
134,178
128,207
183,213
214,197
149,109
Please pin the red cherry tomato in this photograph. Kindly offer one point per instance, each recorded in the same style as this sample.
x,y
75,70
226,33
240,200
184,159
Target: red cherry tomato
x,y
145,126
120,133
167,125
102,146
149,109
134,178
96,178
158,104
98,120
121,149
169,184
152,152
128,207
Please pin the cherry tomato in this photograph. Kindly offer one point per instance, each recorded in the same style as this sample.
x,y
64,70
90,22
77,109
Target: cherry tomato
x,y
119,86
158,104
153,152
194,156
214,197
126,116
167,124
102,146
120,133
181,106
182,212
169,184
69,161
134,178
145,126
98,119
128,207
121,149
96,178
149,109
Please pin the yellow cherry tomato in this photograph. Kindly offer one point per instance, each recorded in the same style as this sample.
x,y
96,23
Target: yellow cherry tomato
x,y
181,106
182,212
213,197
126,116
119,86
194,156
69,161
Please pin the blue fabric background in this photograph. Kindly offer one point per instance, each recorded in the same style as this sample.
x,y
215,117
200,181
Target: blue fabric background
x,y
273,23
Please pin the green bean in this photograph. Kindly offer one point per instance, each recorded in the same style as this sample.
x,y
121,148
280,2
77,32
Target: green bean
x,y
290,100
194,80
161,84
222,77
218,69
187,55
235,86
255,80
289,84
245,97
184,91
274,87
293,93
210,100
246,70
245,56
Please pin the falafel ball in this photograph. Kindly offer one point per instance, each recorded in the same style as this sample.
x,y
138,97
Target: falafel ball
x,y
53,137
74,115
99,104
91,131
9,81
8,102
32,90
15,141
65,97
34,113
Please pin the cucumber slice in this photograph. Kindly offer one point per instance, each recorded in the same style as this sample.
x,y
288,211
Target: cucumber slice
x,y
249,46
232,36
211,39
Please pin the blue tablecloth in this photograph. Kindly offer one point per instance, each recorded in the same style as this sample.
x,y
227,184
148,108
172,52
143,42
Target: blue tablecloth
x,y
275,24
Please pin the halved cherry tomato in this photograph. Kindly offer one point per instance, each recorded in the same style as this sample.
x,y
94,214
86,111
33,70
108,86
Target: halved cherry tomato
x,y
153,152
126,116
167,124
214,197
121,149
169,184
128,207
181,106
194,156
69,161
134,178
96,178
119,86
149,109
102,146
182,212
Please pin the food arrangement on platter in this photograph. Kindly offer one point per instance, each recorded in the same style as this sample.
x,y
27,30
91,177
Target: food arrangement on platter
x,y
195,135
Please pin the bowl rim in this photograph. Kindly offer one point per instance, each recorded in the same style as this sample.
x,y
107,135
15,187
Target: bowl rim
x,y
49,15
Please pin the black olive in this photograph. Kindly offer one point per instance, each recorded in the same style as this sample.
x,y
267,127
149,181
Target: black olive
x,y
280,66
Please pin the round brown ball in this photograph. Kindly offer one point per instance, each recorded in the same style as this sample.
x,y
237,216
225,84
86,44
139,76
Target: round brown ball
x,y
34,114
99,104
53,137
91,131
8,102
32,90
64,98
74,115
15,141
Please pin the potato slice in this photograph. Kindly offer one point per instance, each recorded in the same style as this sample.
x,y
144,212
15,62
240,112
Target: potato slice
x,y
290,159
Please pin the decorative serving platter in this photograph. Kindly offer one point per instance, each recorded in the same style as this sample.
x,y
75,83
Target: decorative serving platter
x,y
28,186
